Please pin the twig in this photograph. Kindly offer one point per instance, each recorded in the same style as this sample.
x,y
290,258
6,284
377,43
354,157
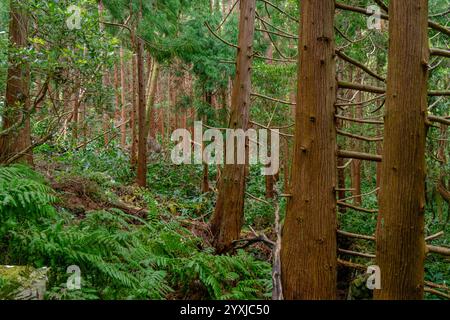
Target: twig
x,y
348,205
361,195
358,137
229,13
359,120
272,99
359,65
280,10
437,293
345,165
434,236
358,254
356,236
220,38
360,103
257,199
351,264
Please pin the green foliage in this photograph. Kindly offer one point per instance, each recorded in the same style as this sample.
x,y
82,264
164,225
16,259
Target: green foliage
x,y
8,288
120,256
23,195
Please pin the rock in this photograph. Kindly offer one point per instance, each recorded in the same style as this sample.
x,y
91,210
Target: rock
x,y
22,282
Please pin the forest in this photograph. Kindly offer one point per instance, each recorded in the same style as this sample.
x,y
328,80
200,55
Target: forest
x,y
224,150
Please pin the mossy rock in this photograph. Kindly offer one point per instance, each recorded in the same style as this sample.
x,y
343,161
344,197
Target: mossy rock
x,y
358,289
22,283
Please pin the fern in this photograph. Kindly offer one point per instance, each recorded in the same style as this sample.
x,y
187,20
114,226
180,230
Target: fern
x,y
120,256
23,193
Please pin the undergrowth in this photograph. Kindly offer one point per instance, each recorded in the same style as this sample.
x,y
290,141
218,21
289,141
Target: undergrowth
x,y
120,256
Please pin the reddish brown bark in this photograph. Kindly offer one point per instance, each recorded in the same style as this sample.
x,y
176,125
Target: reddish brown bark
x,y
16,132
400,230
133,112
141,178
123,113
357,145
227,219
308,251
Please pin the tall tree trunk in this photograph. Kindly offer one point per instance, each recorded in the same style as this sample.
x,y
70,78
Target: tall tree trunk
x,y
400,230
308,251
151,89
340,161
227,219
15,136
76,113
106,118
270,179
117,111
123,114
133,115
105,80
358,146
141,178
205,178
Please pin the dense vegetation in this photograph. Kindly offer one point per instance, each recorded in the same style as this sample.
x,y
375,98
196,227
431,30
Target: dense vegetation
x,y
86,176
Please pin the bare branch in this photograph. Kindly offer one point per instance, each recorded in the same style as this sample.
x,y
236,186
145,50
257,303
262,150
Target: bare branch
x,y
434,236
358,137
435,93
359,155
276,28
359,65
359,120
360,87
280,10
220,38
356,236
440,52
356,208
361,195
358,254
229,13
439,120
272,99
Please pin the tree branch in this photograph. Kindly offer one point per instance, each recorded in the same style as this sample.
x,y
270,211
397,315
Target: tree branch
x,y
359,120
360,87
358,137
272,99
440,52
359,155
359,65
220,38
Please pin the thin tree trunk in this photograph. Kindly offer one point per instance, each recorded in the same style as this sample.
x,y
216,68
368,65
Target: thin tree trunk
x,y
123,114
141,178
205,179
356,164
400,230
308,251
151,89
133,114
106,118
227,219
76,112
